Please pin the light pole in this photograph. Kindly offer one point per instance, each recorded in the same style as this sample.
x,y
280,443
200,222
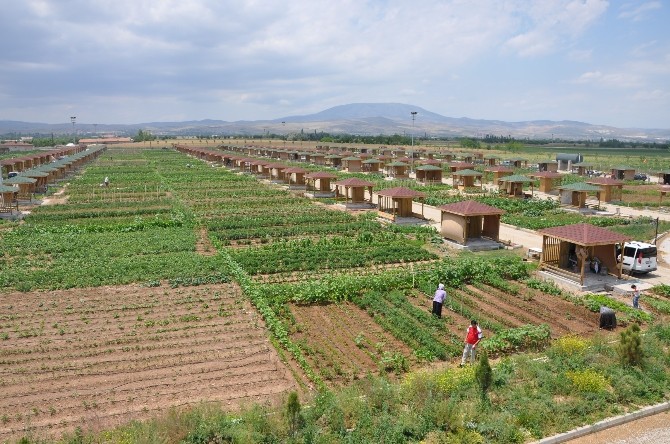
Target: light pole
x,y
73,119
413,113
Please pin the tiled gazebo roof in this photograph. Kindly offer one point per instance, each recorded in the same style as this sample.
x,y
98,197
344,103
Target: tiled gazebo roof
x,y
548,174
470,208
401,192
585,235
515,178
321,175
354,182
579,186
605,181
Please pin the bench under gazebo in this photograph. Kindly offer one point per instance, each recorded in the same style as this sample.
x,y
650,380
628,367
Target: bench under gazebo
x,y
610,189
354,190
397,202
469,221
569,249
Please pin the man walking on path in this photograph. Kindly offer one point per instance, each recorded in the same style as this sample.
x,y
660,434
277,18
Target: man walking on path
x,y
438,300
472,338
636,296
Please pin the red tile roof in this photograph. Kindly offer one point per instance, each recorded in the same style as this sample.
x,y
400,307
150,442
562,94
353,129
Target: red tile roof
x,y
321,175
401,192
354,182
470,208
585,235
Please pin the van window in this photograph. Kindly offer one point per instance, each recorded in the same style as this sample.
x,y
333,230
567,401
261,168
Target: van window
x,y
629,251
647,252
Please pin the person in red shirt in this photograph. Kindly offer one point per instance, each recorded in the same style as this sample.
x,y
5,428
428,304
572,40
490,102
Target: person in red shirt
x,y
472,338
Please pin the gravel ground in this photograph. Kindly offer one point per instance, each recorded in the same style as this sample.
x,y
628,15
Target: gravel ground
x,y
652,429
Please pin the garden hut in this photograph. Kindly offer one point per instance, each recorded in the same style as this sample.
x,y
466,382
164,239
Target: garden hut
x,y
448,156
491,160
384,160
397,169
467,179
513,185
40,176
664,177
469,219
277,171
354,189
519,162
398,152
398,201
582,169
575,194
623,173
498,172
334,160
318,158
610,189
8,202
457,166
323,178
548,180
567,250
429,174
26,186
304,156
352,164
467,157
371,165
295,176
257,166
547,165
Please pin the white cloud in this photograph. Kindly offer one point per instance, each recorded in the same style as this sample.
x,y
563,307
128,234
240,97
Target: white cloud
x,y
637,11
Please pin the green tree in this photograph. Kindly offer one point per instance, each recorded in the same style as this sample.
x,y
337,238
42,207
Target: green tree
x,y
630,346
144,136
293,413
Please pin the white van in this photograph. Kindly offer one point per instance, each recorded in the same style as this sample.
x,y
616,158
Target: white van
x,y
638,257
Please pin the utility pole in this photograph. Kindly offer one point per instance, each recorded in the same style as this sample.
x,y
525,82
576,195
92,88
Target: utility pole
x,y
73,119
413,113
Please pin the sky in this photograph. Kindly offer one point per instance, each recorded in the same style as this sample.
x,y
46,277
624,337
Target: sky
x,y
138,61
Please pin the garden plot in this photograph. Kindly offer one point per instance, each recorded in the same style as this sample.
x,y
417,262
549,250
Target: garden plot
x,y
98,357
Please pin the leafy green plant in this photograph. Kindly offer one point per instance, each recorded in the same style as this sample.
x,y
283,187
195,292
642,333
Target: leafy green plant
x,y
630,346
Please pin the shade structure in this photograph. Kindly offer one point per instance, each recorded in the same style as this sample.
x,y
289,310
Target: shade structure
x,y
354,189
575,193
571,246
610,189
429,173
548,180
466,178
513,185
469,219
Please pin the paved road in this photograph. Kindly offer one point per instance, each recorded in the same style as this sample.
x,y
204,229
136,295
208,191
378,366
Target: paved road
x,y
650,430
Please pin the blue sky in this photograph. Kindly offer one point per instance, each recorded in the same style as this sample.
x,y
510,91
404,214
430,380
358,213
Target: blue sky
x,y
134,61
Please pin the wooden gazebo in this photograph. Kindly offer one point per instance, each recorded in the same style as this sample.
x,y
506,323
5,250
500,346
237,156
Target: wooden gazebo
x,y
623,173
582,169
519,162
334,160
371,165
498,172
352,164
464,179
664,177
429,173
664,191
457,166
513,185
295,176
398,170
548,165
26,186
354,189
548,180
398,201
575,194
323,178
469,219
8,203
491,160
567,249
610,189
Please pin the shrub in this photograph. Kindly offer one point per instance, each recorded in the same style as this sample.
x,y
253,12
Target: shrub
x,y
588,381
570,345
630,346
484,375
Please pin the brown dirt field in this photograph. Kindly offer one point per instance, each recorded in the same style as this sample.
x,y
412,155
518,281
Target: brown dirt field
x,y
204,245
95,358
331,333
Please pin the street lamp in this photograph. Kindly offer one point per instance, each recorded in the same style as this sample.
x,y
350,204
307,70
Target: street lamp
x,y
73,119
413,113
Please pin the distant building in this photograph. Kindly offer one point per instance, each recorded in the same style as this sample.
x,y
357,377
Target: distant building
x,y
15,146
106,140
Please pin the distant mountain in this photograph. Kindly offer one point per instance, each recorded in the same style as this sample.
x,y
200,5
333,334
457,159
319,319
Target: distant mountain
x,y
359,118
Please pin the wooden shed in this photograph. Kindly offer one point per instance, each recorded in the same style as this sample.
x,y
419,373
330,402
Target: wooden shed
x,y
8,202
575,194
582,169
457,166
467,179
568,250
26,186
398,201
664,177
491,160
469,219
354,189
429,174
295,176
371,165
398,170
610,189
513,185
623,173
352,164
498,172
319,181
547,165
548,180
519,162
